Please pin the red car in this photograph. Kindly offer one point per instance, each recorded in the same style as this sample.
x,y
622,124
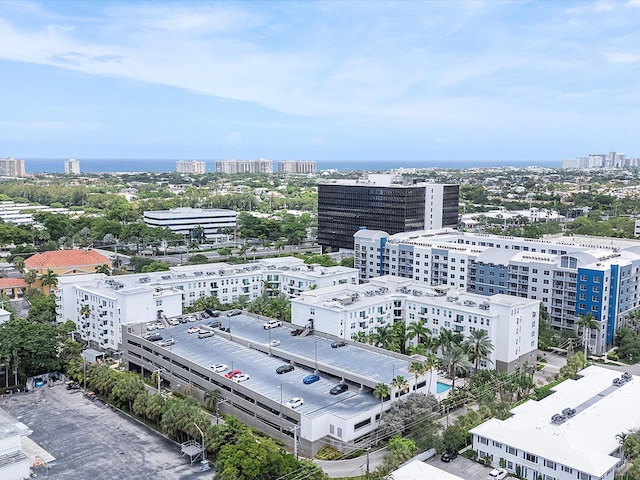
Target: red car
x,y
232,373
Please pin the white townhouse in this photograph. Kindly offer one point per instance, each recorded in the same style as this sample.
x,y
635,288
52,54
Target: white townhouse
x,y
347,310
100,305
571,434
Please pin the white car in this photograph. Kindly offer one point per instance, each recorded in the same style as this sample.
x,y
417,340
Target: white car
x,y
151,326
193,330
271,324
159,326
274,343
497,474
295,402
240,377
219,368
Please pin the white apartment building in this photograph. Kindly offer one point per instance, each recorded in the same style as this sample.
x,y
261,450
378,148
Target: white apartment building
x,y
22,213
346,310
185,220
571,276
115,301
190,166
72,167
570,434
296,166
244,166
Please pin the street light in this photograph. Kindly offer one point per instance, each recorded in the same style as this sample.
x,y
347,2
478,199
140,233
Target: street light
x,y
316,356
204,462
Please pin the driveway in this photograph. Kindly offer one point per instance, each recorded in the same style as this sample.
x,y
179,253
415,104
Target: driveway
x,y
352,467
90,441
462,467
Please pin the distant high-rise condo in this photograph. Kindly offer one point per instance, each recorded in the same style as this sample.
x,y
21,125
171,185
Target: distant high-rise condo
x,y
296,166
244,166
11,167
72,167
345,206
190,166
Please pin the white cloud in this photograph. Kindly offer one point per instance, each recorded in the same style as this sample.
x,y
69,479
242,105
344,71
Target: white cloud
x,y
622,57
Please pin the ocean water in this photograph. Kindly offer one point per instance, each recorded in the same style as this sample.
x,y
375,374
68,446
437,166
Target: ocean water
x,y
56,165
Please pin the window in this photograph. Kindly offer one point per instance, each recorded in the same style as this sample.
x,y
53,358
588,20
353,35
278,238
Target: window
x,y
512,451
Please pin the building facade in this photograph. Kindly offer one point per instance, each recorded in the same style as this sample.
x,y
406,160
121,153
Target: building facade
x,y
572,433
15,462
571,276
11,167
346,311
244,166
65,262
190,166
381,202
72,167
185,220
297,166
115,301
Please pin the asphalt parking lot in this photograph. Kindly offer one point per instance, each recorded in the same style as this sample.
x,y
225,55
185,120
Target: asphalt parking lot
x,y
91,441
462,467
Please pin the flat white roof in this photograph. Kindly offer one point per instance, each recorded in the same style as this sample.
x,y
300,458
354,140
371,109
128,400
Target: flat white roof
x,y
417,470
586,440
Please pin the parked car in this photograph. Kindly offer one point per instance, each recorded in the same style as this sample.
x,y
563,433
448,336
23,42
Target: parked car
x,y
193,330
497,474
274,343
168,342
311,378
233,313
212,312
297,331
215,324
225,329
448,456
240,377
338,344
295,402
271,324
232,373
285,369
153,337
192,318
205,334
182,320
71,385
159,326
173,321
219,368
151,326
338,389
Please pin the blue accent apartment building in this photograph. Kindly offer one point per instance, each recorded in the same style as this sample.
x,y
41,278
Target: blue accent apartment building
x,y
570,276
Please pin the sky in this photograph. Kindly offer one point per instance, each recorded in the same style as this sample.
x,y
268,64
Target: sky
x,y
350,80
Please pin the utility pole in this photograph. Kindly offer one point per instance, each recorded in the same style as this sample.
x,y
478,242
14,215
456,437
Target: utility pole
x,y
295,440
368,449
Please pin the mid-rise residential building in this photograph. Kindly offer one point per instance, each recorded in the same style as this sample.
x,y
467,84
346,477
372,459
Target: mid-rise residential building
x,y
22,213
297,166
572,433
346,311
190,166
244,166
11,167
119,300
382,202
72,167
185,220
571,276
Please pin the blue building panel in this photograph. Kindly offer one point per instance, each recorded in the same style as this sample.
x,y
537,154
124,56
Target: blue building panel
x,y
383,242
590,283
613,302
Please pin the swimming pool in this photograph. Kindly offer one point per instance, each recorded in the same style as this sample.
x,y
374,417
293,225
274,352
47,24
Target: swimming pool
x,y
443,387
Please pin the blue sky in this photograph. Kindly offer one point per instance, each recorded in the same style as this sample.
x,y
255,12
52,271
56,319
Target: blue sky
x,y
348,80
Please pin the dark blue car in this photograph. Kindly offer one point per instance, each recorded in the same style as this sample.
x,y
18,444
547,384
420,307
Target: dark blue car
x,y
310,379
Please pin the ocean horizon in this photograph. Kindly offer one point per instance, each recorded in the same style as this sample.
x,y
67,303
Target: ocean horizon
x,y
122,165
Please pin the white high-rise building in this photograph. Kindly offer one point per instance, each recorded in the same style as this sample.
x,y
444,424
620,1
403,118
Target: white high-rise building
x,y
11,167
72,167
190,166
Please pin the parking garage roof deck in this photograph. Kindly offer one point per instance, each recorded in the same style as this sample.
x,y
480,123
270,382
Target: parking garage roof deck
x,y
246,349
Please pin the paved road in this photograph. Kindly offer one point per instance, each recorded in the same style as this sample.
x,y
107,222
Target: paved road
x,y
353,466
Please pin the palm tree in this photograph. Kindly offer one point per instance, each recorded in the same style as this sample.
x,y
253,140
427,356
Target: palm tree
x,y
417,368
479,347
588,322
456,361
85,311
418,330
49,279
384,337
18,262
401,383
381,391
361,337
431,362
30,277
401,337
634,319
104,268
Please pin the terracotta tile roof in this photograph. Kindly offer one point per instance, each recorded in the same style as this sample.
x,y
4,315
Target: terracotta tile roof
x,y
65,258
12,282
